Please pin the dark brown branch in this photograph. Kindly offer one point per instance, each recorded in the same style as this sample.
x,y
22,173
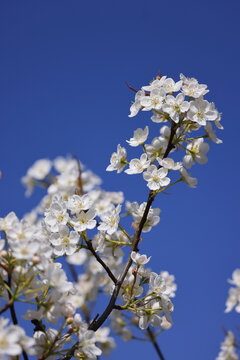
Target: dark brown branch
x,y
155,344
12,310
131,88
5,307
110,274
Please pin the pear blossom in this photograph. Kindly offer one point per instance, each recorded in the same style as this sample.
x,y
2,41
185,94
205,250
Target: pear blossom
x,y
78,258
9,338
154,100
159,116
110,221
175,106
211,134
156,177
137,212
156,149
87,340
64,242
139,259
170,85
137,166
228,348
105,342
118,160
169,163
155,84
150,318
78,203
84,220
235,278
136,106
139,137
40,169
192,182
25,250
200,111
56,215
192,88
157,284
196,150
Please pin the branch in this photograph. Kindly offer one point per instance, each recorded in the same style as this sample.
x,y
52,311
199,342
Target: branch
x,y
95,325
12,310
104,265
6,306
155,344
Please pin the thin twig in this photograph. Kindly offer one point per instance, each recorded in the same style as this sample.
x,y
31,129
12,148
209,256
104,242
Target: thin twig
x,y
5,307
104,265
155,344
13,312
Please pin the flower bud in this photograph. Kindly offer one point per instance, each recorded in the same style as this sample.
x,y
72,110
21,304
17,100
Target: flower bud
x,y
36,259
69,320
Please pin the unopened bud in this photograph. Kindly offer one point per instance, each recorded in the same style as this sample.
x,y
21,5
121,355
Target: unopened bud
x,y
36,259
69,320
3,253
134,272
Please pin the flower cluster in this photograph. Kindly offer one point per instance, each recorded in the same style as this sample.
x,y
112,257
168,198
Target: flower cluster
x,y
182,105
59,258
228,348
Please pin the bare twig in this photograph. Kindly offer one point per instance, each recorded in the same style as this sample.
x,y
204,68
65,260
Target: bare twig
x,y
155,344
104,265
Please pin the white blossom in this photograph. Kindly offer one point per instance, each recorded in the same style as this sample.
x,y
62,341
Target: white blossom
x,y
139,137
200,111
154,100
40,169
196,151
156,177
192,88
137,166
87,340
84,220
175,106
169,163
78,203
118,160
192,182
139,259
110,221
228,348
64,242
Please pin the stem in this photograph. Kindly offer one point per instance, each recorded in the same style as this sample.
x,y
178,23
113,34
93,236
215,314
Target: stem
x,y
155,344
109,272
12,310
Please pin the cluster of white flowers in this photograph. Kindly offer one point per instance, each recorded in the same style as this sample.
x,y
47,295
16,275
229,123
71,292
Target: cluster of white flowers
x,y
186,111
77,223
228,347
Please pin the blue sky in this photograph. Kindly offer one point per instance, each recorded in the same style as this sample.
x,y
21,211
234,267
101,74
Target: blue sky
x,y
63,68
